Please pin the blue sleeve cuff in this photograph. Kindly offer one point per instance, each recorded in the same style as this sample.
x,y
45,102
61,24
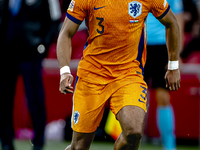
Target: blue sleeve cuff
x,y
73,19
166,11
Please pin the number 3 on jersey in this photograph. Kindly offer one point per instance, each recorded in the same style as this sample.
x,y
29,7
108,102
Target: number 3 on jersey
x,y
100,24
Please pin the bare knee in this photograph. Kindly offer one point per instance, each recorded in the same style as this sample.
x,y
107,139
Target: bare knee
x,y
81,141
132,121
132,136
78,147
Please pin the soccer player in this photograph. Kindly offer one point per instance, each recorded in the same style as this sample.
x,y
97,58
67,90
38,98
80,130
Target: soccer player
x,y
111,69
157,52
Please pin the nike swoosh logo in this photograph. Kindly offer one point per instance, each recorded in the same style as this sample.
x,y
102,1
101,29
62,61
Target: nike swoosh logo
x,y
141,101
98,7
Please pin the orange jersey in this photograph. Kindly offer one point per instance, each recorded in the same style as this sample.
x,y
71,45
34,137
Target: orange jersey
x,y
116,46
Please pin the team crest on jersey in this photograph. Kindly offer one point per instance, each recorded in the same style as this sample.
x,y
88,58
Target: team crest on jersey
x,y
71,5
135,9
76,117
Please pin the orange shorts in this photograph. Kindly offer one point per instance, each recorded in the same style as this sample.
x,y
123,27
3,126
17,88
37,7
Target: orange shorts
x,y
89,100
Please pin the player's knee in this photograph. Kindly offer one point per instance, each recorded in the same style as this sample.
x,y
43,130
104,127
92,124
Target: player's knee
x,y
133,135
78,147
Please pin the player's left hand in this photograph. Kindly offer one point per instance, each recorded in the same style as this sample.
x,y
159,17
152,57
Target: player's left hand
x,y
172,78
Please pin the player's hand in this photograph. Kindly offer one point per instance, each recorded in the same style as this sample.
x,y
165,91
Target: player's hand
x,y
172,78
66,80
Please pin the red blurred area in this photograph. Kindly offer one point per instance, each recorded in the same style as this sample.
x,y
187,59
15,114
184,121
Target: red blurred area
x,y
186,104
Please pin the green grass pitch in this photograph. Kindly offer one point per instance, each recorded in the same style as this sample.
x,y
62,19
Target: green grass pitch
x,y
58,145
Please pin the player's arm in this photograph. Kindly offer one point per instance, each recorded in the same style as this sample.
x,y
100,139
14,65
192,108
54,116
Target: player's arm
x,y
64,50
172,76
179,18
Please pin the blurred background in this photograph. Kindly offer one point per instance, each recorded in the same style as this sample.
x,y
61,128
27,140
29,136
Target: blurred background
x,y
58,107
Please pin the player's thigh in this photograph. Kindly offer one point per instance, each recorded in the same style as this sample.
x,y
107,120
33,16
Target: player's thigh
x,y
131,91
81,140
128,103
131,119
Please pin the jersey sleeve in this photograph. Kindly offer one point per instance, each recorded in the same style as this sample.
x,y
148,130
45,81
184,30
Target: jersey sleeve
x,y
77,10
159,8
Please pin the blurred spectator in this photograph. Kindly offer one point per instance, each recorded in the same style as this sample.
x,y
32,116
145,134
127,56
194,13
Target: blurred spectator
x,y
155,69
192,27
190,15
27,28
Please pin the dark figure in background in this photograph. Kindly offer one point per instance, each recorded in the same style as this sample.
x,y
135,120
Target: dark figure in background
x,y
27,28
192,27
